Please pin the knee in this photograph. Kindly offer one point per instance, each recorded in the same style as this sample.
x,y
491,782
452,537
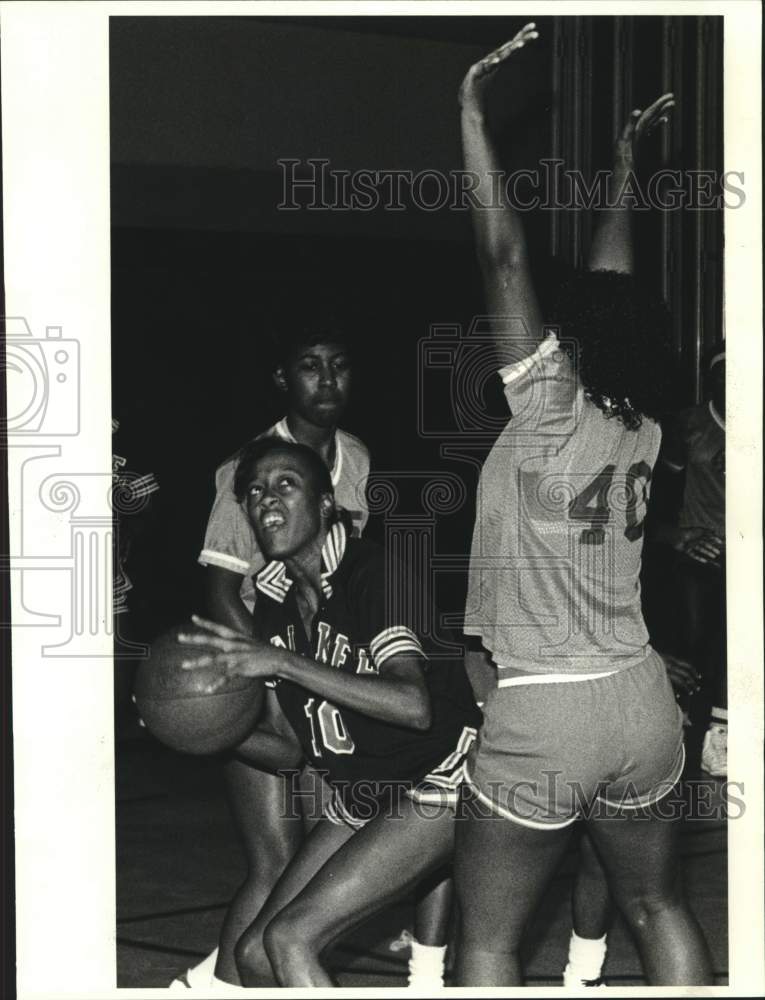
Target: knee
x,y
287,938
250,956
644,910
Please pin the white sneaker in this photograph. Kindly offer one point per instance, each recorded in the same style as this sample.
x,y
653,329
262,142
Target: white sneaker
x,y
714,753
199,977
573,980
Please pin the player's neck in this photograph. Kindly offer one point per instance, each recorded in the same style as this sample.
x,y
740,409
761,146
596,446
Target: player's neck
x,y
304,569
321,439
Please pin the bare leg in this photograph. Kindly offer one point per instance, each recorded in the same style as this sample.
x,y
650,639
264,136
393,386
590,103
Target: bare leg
x,y
591,901
434,905
500,871
375,866
641,860
270,840
323,842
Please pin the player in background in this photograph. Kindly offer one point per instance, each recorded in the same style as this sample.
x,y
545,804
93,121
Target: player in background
x,y
583,719
695,449
389,728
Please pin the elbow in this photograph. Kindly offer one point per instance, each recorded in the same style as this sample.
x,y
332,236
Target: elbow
x,y
421,717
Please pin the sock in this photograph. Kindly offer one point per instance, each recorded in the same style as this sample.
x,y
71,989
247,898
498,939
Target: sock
x,y
426,965
585,959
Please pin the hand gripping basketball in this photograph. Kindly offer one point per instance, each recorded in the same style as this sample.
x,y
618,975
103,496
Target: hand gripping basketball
x,y
197,710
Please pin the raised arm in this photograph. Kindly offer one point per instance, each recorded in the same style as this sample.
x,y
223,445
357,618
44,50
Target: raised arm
x,y
499,237
612,243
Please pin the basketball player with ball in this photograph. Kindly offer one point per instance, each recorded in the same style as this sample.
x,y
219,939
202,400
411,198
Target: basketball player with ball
x,y
388,728
314,373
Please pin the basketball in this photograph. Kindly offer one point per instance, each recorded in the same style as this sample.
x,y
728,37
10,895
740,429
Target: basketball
x,y
177,708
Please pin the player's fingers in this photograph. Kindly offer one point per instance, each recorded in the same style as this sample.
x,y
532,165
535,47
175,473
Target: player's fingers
x,y
490,62
208,641
629,128
198,661
217,684
654,113
216,627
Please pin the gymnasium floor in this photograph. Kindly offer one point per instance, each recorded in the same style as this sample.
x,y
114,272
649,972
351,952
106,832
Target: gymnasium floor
x,y
178,862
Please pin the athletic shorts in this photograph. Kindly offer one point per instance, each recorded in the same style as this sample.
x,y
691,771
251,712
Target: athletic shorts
x,y
440,787
551,752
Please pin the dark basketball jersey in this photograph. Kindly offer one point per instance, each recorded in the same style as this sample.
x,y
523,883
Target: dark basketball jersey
x,y
555,561
356,629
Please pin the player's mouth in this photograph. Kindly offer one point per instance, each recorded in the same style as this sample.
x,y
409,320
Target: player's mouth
x,y
272,521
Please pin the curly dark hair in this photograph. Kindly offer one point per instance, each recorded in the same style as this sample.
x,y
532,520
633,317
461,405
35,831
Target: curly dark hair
x,y
618,337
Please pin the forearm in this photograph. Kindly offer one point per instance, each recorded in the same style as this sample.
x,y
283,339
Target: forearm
x,y
224,605
403,701
501,248
499,236
612,243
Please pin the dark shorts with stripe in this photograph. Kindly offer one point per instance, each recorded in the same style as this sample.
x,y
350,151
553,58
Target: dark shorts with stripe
x,y
439,788
549,753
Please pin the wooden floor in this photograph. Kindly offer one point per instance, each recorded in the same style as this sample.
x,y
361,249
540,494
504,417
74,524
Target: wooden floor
x,y
179,862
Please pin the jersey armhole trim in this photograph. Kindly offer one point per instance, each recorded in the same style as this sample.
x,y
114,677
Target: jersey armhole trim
x,y
510,373
208,557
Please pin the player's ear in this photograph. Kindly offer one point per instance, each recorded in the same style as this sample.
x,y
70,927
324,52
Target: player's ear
x,y
327,506
280,378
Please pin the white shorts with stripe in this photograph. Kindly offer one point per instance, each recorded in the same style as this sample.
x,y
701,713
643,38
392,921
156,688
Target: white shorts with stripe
x,y
440,787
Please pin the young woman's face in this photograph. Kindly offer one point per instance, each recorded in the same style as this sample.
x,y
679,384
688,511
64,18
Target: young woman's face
x,y
283,505
317,381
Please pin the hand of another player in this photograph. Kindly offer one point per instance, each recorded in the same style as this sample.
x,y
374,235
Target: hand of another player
x,y
683,677
472,87
700,544
639,124
236,654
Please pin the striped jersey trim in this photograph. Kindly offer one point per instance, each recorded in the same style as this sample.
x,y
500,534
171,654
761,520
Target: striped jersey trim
x,y
394,641
208,557
510,373
274,582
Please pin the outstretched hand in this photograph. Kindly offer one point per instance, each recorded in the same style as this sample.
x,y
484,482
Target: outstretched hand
x,y
484,68
233,653
640,124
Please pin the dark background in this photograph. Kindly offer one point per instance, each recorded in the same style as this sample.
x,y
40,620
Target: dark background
x,y
202,108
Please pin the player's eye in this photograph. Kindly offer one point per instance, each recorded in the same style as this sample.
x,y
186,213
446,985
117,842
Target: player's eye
x,y
341,364
286,482
255,491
